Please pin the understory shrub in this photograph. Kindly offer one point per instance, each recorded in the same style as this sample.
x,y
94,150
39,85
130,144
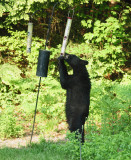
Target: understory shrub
x,y
110,106
9,125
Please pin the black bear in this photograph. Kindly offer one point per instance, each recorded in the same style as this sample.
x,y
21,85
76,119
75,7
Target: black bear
x,y
78,88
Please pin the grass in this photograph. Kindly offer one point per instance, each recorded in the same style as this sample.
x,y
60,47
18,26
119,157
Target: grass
x,y
31,153
96,147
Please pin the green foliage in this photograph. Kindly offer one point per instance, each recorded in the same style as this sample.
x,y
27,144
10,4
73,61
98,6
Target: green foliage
x,y
107,129
103,32
9,73
110,107
97,147
15,11
20,93
104,24
106,42
13,49
9,126
108,99
101,146
54,100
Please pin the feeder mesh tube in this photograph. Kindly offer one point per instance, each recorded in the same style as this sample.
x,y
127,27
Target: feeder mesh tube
x,y
66,36
29,37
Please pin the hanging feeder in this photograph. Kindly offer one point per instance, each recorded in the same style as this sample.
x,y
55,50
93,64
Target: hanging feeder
x,y
43,61
67,32
30,31
29,35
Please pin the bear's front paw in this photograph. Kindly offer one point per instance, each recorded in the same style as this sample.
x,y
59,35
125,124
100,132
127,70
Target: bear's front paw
x,y
60,58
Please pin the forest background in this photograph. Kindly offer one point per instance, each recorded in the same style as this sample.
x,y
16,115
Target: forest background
x,y
101,34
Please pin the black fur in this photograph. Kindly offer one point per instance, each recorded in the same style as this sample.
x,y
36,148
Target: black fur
x,y
78,91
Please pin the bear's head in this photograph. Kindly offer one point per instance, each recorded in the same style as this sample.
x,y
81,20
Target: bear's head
x,y
74,61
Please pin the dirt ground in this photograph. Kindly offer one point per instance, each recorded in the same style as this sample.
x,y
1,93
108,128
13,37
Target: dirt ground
x,y
24,141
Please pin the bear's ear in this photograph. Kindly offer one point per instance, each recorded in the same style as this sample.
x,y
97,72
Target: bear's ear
x,y
84,62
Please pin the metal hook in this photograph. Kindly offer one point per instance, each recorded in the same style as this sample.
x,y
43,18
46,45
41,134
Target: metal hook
x,y
72,13
32,14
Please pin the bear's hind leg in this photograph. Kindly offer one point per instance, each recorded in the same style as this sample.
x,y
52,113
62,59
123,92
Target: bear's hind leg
x,y
75,125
